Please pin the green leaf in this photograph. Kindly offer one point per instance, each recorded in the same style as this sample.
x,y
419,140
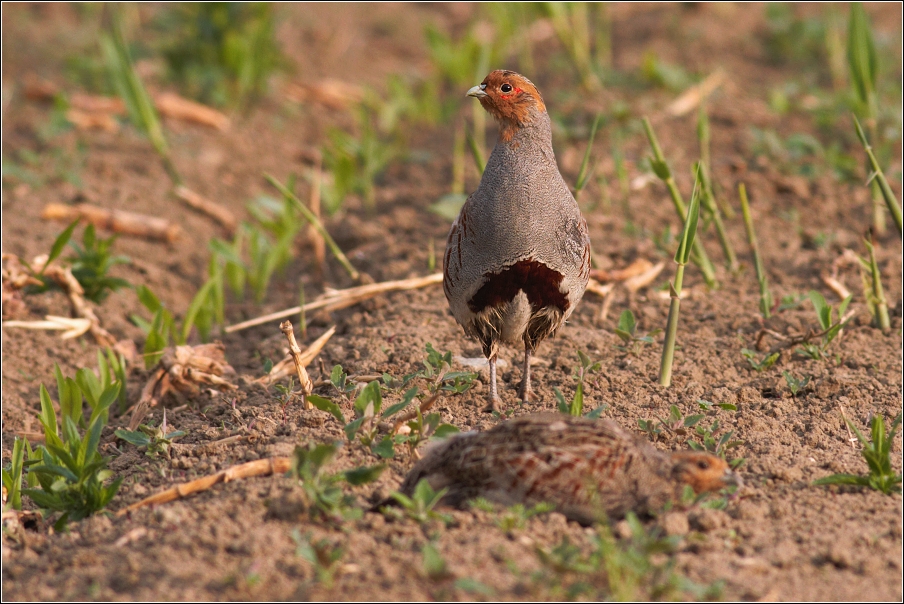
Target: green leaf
x,y
58,244
370,394
359,476
627,326
139,439
843,479
325,404
445,430
385,448
352,428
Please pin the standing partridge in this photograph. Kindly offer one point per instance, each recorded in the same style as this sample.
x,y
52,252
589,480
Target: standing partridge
x,y
586,468
518,256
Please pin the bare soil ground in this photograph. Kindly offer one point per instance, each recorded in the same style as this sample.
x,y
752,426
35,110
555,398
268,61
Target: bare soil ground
x,y
781,539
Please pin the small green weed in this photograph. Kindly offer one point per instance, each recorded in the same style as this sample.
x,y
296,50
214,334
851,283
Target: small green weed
x,y
321,492
877,453
12,475
154,440
641,567
760,364
795,385
576,406
514,517
419,507
322,554
627,331
831,328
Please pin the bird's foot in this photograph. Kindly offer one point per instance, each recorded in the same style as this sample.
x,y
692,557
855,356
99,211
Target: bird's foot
x,y
492,405
525,392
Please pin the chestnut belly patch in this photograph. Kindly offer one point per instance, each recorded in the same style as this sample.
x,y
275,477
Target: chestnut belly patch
x,y
538,282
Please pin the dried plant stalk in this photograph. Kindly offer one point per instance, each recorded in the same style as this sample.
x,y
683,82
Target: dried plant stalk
x,y
198,202
117,221
259,467
304,381
343,298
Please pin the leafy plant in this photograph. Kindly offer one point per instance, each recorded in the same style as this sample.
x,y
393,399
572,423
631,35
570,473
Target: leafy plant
x,y
877,453
322,554
421,429
514,517
627,331
419,507
154,439
760,365
321,492
69,469
795,385
222,53
872,288
576,406
713,443
91,263
641,567
831,328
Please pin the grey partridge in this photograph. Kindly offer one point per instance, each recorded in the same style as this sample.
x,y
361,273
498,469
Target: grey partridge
x,y
587,468
517,258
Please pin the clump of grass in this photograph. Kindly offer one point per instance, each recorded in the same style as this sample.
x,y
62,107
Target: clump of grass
x,y
222,53
68,467
572,24
682,257
12,475
877,453
585,171
762,279
696,253
514,517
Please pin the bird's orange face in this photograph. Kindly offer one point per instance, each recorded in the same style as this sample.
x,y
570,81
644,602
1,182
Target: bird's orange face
x,y
703,472
509,97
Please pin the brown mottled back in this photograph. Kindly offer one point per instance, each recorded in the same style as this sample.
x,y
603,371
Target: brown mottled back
x,y
586,468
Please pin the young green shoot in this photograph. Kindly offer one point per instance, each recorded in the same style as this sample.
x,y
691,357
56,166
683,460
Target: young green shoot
x,y
627,331
312,218
715,214
155,440
662,170
878,176
872,287
765,294
419,507
133,93
682,257
323,555
576,406
585,170
12,476
760,364
829,326
795,385
877,453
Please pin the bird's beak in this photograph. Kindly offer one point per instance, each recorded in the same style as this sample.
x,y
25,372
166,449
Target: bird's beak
x,y
477,92
732,478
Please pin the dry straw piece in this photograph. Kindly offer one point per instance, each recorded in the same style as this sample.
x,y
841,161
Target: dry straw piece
x,y
287,365
307,387
117,221
200,203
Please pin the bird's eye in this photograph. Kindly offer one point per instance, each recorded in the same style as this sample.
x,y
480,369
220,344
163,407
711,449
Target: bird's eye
x,y
506,88
703,464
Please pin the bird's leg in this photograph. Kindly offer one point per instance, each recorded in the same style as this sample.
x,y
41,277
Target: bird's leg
x,y
526,391
493,398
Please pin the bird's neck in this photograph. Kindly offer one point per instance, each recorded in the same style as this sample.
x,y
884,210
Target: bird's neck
x,y
534,131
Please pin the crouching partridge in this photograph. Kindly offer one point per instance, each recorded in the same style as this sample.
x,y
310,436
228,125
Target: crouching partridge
x,y
517,259
586,468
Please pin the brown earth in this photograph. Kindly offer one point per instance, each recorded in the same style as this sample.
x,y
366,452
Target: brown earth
x,y
781,539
